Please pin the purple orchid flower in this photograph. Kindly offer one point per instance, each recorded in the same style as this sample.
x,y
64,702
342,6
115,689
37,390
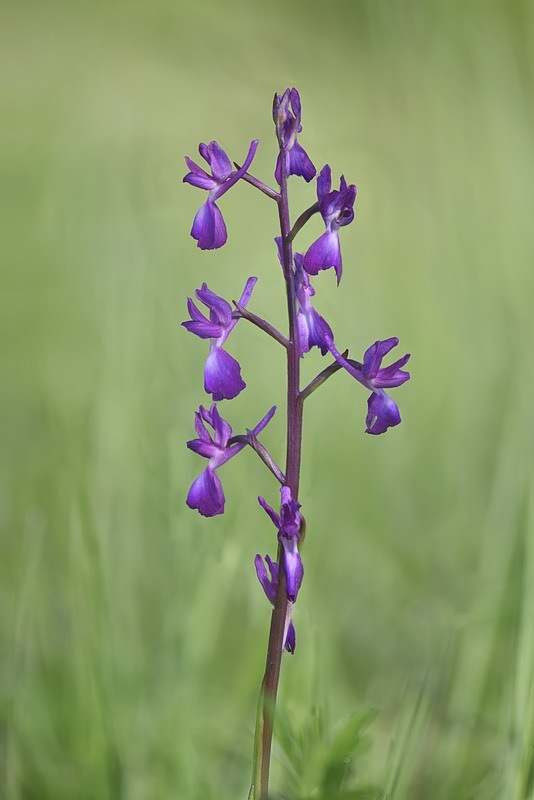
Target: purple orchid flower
x,y
270,587
206,494
287,115
222,373
288,524
312,327
337,209
382,411
208,228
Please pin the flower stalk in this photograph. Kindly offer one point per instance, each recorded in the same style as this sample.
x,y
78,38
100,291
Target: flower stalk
x,y
275,646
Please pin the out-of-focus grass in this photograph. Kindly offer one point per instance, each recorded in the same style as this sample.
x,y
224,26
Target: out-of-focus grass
x,y
133,631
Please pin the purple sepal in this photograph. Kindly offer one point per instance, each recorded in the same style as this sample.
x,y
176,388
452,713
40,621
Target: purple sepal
x,y
220,164
288,524
208,228
206,493
382,411
222,375
270,587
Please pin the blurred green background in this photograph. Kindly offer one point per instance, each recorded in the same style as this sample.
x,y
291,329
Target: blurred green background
x,y
132,630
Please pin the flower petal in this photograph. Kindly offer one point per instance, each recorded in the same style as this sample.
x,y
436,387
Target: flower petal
x,y
220,309
220,164
324,182
383,413
198,177
269,585
372,358
206,494
204,449
208,228
222,375
222,430
323,254
292,565
201,325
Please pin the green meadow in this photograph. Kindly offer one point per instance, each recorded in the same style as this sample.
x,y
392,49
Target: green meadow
x,y
132,630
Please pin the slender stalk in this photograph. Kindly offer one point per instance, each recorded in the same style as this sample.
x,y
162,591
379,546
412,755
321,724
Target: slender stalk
x,y
303,219
260,323
322,377
269,689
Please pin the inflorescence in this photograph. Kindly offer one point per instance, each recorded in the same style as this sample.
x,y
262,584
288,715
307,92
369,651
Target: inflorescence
x,y
222,372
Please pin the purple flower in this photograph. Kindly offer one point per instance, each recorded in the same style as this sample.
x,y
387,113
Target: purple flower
x,y
222,373
286,115
288,524
270,587
312,328
382,411
206,494
208,228
337,209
